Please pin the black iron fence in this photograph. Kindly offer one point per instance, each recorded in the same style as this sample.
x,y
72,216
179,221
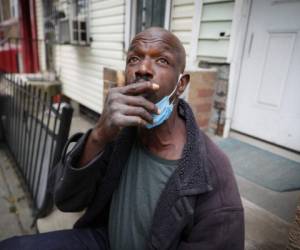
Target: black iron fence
x,y
35,130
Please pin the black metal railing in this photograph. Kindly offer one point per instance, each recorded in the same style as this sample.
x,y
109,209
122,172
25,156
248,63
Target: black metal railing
x,y
35,130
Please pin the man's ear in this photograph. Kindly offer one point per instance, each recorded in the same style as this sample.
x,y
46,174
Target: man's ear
x,y
183,83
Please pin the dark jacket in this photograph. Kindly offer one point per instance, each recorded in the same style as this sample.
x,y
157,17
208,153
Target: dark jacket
x,y
200,207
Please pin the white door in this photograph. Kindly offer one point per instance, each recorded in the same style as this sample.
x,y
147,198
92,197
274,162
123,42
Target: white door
x,y
268,97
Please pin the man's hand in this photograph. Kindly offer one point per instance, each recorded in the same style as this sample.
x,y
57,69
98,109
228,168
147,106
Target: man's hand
x,y
124,107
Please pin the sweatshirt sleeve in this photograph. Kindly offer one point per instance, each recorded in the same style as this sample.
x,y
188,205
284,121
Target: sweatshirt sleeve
x,y
219,230
74,187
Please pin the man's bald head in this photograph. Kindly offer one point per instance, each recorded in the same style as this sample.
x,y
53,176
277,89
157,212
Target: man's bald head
x,y
155,34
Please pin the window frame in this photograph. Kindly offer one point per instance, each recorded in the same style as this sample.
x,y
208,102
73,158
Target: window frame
x,y
14,9
1,12
130,20
71,19
79,19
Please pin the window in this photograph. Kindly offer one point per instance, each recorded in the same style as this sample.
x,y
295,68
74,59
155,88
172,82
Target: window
x,y
80,7
1,12
14,8
142,14
71,20
79,22
150,13
6,12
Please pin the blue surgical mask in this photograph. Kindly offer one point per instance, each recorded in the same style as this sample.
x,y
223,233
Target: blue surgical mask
x,y
165,106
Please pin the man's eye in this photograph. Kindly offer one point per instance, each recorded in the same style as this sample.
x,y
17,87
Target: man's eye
x,y
133,59
163,61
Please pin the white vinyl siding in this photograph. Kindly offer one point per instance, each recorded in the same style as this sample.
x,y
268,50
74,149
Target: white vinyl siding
x,y
80,68
182,21
216,18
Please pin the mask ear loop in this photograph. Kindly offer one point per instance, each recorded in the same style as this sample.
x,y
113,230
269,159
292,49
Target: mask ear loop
x,y
172,93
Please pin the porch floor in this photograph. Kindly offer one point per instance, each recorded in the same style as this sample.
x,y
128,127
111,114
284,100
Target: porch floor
x,y
15,207
281,204
267,213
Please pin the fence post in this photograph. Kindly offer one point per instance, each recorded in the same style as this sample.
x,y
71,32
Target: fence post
x,y
63,133
61,139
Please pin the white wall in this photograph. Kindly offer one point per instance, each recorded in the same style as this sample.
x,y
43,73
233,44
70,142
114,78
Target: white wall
x,y
80,68
217,17
182,21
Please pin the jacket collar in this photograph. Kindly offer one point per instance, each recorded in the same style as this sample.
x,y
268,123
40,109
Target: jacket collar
x,y
175,207
191,176
192,173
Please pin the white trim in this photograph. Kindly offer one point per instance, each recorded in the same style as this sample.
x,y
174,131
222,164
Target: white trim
x,y
167,21
133,18
237,15
14,6
235,55
88,22
192,60
128,10
130,20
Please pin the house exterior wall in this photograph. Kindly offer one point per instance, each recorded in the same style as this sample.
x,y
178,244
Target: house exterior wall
x,y
182,21
215,30
81,68
213,48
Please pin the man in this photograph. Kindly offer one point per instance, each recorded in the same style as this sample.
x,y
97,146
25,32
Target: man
x,y
146,175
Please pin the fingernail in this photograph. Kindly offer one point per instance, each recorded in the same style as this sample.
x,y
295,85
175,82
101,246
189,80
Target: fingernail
x,y
155,86
158,111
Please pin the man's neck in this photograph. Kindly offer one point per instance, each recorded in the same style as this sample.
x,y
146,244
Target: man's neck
x,y
166,140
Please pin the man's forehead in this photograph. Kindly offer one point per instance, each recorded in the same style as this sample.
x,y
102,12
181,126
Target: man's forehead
x,y
163,40
159,44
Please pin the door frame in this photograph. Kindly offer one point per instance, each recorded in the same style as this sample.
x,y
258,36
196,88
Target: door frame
x,y
239,31
130,20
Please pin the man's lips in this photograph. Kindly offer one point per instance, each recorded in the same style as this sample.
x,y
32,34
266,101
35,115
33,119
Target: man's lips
x,y
150,96
140,81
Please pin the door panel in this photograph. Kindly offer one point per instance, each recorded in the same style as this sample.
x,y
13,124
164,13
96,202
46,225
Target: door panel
x,y
268,102
275,70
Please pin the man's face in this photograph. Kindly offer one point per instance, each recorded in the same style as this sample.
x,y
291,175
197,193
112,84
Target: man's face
x,y
153,59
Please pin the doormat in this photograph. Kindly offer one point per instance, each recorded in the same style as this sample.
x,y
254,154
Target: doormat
x,y
262,167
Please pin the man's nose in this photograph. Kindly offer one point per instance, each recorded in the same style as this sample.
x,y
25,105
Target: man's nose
x,y
144,70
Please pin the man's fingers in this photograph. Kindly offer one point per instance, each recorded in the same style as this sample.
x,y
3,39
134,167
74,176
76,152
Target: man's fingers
x,y
140,101
139,88
127,121
137,111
